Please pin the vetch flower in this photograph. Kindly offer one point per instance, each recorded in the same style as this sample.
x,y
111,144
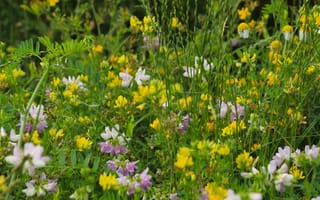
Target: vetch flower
x,y
30,156
312,153
114,142
283,154
243,30
287,31
36,112
126,78
74,84
124,168
141,76
184,124
282,181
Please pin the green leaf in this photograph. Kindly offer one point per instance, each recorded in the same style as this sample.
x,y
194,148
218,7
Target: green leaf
x,y
73,157
62,159
130,126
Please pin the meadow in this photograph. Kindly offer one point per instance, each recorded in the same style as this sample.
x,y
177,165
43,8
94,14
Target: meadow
x,y
160,99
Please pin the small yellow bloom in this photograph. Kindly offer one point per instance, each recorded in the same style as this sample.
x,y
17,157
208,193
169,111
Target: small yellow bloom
x,y
84,119
98,48
56,134
17,73
311,69
3,186
35,138
243,30
255,147
215,192
223,150
244,13
297,173
56,81
52,3
108,182
184,158
244,161
287,28
174,22
276,46
156,125
121,102
83,143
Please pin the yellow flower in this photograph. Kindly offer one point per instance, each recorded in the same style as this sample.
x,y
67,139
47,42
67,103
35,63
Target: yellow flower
x,y
309,71
83,143
3,77
244,13
17,73
174,22
56,82
3,186
98,48
156,125
108,182
135,23
35,138
297,173
223,150
287,28
272,79
121,102
53,2
244,161
84,120
276,46
255,147
233,128
215,192
56,134
184,158
243,30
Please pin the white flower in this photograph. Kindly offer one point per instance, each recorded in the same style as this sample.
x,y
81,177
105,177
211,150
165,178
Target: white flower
x,y
30,190
313,152
316,198
282,181
189,72
141,76
232,195
32,153
126,78
72,80
110,134
283,154
2,132
255,196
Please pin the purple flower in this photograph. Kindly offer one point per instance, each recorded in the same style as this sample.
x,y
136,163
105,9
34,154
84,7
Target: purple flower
x,y
283,154
114,143
313,152
144,180
124,168
37,116
151,42
126,78
237,111
184,124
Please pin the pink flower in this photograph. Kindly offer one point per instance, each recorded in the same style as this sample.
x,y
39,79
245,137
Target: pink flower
x,y
126,78
141,76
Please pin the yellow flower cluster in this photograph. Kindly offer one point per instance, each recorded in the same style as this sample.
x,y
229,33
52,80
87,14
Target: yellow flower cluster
x,y
121,102
215,192
232,128
35,138
297,173
244,161
108,182
83,143
146,26
3,186
184,158
156,125
56,134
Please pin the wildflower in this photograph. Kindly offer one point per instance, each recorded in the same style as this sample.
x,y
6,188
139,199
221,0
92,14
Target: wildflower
x,y
56,134
17,73
215,192
233,128
84,119
141,76
98,48
135,23
56,81
311,69
126,78
138,182
35,138
282,181
287,31
3,186
243,30
312,153
232,195
282,155
121,102
189,72
124,168
184,158
38,116
184,124
223,150
156,124
244,13
276,46
40,187
174,22
52,3
244,161
297,173
114,143
151,42
302,33
30,156
74,84
83,143
108,182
